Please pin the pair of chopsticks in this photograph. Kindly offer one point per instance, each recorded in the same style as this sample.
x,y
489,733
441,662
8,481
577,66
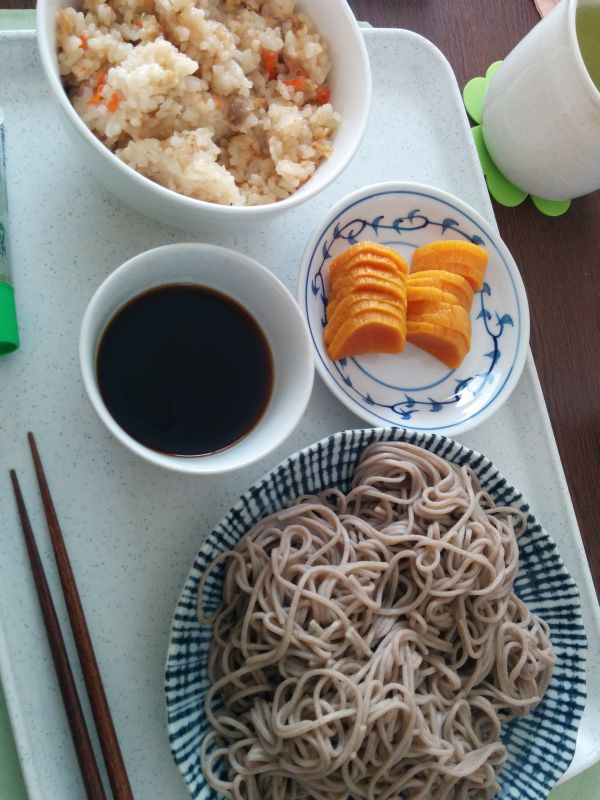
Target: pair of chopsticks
x,y
111,751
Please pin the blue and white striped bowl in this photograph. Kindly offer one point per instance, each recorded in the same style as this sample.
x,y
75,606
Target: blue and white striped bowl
x,y
540,746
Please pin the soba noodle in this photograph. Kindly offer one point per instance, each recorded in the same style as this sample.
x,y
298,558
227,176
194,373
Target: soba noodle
x,y
369,644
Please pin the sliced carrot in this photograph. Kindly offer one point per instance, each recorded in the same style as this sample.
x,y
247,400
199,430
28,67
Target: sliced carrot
x,y
367,306
472,275
343,306
323,95
370,332
364,268
442,343
362,306
452,317
419,294
369,280
463,258
369,264
440,250
84,41
380,265
452,312
367,246
363,248
268,59
445,281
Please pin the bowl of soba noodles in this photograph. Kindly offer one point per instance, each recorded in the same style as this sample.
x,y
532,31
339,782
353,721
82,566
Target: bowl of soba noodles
x,y
379,617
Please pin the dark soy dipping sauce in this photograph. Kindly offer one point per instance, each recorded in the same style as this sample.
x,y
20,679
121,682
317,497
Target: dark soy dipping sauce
x,y
184,370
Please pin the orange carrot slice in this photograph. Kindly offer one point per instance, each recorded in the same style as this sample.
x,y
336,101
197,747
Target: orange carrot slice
x,y
469,273
345,304
451,311
364,248
442,343
463,258
370,332
446,282
352,309
379,264
370,263
452,249
452,317
373,248
369,280
419,294
367,294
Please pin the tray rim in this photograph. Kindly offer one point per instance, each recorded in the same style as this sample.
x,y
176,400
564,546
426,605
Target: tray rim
x,y
586,587
17,33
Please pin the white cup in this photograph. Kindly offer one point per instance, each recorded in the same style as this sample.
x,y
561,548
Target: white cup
x,y
256,289
541,114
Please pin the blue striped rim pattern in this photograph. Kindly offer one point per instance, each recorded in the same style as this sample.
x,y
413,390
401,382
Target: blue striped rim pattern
x,y
540,746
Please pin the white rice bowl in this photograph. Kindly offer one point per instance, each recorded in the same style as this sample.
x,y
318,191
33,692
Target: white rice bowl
x,y
224,101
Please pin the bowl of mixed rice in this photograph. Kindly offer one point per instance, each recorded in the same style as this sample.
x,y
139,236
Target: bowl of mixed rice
x,y
209,112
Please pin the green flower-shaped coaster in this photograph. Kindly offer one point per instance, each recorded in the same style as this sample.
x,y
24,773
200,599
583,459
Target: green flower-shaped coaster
x,y
501,189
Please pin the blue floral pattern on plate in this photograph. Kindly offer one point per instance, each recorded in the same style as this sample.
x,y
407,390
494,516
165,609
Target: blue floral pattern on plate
x,y
375,387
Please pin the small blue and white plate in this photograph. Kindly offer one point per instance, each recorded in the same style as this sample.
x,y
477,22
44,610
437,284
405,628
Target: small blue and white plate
x,y
413,389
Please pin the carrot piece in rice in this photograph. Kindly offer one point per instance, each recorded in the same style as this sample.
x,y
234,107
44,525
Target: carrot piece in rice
x,y
268,59
323,95
114,101
100,84
296,84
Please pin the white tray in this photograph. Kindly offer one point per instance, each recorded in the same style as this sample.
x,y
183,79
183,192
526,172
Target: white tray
x,y
131,529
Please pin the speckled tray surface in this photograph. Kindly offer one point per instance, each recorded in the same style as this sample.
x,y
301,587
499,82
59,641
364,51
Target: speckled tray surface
x,y
133,530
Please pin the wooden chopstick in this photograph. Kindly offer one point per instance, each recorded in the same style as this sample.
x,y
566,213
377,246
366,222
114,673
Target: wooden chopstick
x,y
79,731
107,736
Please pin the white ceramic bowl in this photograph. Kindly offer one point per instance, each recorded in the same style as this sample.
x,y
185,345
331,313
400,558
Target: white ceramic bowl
x,y
256,289
413,389
351,96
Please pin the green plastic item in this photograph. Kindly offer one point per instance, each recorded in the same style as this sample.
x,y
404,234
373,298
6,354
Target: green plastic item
x,y
474,92
9,331
583,787
11,780
501,189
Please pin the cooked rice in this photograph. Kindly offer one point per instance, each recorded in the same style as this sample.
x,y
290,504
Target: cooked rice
x,y
179,91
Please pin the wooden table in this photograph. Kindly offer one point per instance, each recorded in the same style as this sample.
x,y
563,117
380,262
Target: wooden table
x,y
559,258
